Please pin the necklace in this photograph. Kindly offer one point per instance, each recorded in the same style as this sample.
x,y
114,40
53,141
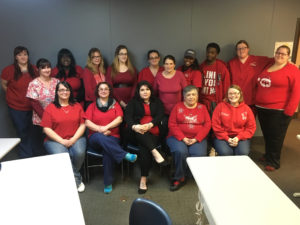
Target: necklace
x,y
66,109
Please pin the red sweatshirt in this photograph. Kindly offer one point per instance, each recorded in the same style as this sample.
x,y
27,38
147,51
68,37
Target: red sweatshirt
x,y
190,123
229,121
279,89
244,74
147,75
193,77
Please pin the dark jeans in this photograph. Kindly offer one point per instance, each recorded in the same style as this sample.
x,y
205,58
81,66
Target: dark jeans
x,y
274,124
22,121
37,140
112,152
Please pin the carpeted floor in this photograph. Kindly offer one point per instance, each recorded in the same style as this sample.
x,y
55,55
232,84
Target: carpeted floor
x,y
113,209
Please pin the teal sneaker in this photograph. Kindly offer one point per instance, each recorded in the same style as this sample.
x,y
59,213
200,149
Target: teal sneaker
x,y
107,189
131,157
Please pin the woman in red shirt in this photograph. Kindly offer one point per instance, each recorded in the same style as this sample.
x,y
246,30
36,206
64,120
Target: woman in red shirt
x,y
63,123
143,116
14,80
93,74
277,97
67,70
189,124
122,76
191,69
149,73
103,118
233,123
244,68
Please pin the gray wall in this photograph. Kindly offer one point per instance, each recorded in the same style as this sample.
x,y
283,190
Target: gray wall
x,y
171,26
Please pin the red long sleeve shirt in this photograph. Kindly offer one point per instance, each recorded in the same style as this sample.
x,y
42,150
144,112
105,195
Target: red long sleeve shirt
x,y
279,89
229,121
244,74
190,123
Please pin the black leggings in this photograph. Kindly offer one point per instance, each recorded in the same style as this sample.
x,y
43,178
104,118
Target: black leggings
x,y
274,124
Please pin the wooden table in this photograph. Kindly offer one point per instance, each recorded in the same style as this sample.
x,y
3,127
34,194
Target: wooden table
x,y
7,144
235,191
39,190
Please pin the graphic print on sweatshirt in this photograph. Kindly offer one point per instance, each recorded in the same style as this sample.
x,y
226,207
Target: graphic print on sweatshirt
x,y
210,81
265,81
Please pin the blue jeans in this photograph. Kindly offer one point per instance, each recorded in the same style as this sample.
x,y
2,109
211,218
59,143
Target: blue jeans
x,y
76,152
112,152
223,148
22,121
181,151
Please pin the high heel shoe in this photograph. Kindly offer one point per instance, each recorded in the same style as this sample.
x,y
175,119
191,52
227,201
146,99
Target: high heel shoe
x,y
142,189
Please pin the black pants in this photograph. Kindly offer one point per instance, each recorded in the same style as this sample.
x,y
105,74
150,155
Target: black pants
x,y
274,124
146,143
38,141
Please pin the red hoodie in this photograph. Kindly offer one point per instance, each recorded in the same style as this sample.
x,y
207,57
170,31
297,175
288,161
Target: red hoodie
x,y
229,121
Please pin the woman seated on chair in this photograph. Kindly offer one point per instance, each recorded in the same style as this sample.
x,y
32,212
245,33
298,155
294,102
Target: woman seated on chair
x,y
103,118
143,116
63,123
233,124
189,124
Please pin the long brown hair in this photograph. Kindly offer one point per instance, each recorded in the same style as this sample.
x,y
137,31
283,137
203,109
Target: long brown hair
x,y
89,64
115,66
18,72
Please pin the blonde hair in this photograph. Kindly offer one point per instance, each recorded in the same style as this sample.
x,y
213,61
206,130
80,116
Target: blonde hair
x,y
236,87
115,66
89,64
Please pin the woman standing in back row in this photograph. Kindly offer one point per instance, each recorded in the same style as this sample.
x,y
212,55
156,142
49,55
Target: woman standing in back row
x,y
14,80
277,97
244,68
121,75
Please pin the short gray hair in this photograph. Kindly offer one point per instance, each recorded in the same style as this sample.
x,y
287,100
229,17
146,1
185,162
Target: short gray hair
x,y
189,88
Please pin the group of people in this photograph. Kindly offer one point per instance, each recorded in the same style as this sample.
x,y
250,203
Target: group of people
x,y
183,110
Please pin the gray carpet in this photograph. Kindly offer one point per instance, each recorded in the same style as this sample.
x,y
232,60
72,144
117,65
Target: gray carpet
x,y
113,209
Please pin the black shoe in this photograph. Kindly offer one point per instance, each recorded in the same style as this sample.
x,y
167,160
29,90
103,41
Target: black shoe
x,y
142,191
164,163
177,184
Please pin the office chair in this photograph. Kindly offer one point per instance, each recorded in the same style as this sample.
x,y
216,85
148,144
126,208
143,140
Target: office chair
x,y
146,212
92,153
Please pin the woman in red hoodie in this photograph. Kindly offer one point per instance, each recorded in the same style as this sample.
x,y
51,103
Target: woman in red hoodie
x,y
233,124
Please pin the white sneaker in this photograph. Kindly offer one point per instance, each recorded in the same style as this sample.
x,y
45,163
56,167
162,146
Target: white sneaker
x,y
81,187
298,136
212,152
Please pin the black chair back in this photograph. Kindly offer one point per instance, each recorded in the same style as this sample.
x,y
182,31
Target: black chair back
x,y
147,212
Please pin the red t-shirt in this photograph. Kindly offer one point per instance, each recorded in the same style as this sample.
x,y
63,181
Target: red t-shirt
x,y
73,81
279,89
169,90
193,77
229,121
244,74
147,75
122,93
17,89
216,81
190,123
148,118
63,121
103,118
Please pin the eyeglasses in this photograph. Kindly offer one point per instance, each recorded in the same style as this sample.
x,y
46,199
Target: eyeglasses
x,y
241,49
63,90
281,54
152,58
122,54
103,89
96,57
233,93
